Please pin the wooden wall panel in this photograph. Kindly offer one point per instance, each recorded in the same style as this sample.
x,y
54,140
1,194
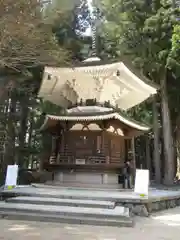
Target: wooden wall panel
x,y
96,147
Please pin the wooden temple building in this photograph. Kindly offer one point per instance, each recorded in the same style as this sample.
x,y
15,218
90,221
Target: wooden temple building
x,y
92,140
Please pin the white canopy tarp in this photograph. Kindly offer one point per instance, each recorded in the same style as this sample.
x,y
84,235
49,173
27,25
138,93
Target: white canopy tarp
x,y
63,86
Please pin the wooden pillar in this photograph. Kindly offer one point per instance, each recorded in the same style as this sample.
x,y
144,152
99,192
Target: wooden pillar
x,y
148,158
58,147
156,154
133,157
46,152
102,149
125,150
65,138
53,151
110,149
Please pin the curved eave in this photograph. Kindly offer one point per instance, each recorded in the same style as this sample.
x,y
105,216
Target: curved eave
x,y
69,85
124,60
95,118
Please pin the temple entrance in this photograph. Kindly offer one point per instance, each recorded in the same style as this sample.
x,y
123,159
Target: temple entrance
x,y
92,148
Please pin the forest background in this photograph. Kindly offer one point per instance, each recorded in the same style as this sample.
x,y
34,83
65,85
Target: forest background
x,y
35,34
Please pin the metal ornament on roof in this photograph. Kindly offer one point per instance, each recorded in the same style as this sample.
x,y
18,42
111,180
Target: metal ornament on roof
x,y
88,17
96,17
82,22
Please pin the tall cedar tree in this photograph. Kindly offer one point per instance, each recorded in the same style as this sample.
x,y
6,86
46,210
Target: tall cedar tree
x,y
143,31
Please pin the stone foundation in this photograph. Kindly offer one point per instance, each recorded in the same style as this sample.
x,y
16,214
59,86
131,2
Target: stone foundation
x,y
145,209
157,200
88,178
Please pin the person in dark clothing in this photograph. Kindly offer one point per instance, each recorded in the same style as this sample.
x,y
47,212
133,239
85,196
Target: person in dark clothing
x,y
127,175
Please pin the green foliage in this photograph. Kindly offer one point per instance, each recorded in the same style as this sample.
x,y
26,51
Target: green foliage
x,y
174,56
176,42
26,41
147,32
61,16
143,113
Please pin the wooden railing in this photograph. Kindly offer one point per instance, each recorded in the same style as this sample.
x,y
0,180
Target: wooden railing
x,y
69,158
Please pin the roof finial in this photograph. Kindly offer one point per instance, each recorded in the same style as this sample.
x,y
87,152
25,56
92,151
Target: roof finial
x,y
94,18
87,18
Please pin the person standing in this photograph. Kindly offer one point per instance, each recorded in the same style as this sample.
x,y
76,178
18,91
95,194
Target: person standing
x,y
127,175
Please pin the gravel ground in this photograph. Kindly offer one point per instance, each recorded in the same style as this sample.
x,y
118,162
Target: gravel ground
x,y
164,225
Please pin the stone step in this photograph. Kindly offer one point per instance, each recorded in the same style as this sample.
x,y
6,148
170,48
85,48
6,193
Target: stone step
x,y
74,193
117,215
23,216
117,212
62,202
83,186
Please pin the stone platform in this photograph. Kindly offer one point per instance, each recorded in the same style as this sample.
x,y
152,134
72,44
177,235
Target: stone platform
x,y
61,205
87,206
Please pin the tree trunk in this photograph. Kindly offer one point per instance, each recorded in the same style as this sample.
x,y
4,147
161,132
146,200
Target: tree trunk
x,y
167,134
148,158
8,86
3,135
23,132
31,122
46,151
156,154
9,154
177,148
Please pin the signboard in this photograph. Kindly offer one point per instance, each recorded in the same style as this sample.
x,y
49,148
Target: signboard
x,y
142,182
11,176
80,161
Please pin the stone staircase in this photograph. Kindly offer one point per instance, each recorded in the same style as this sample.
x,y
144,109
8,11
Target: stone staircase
x,y
66,210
